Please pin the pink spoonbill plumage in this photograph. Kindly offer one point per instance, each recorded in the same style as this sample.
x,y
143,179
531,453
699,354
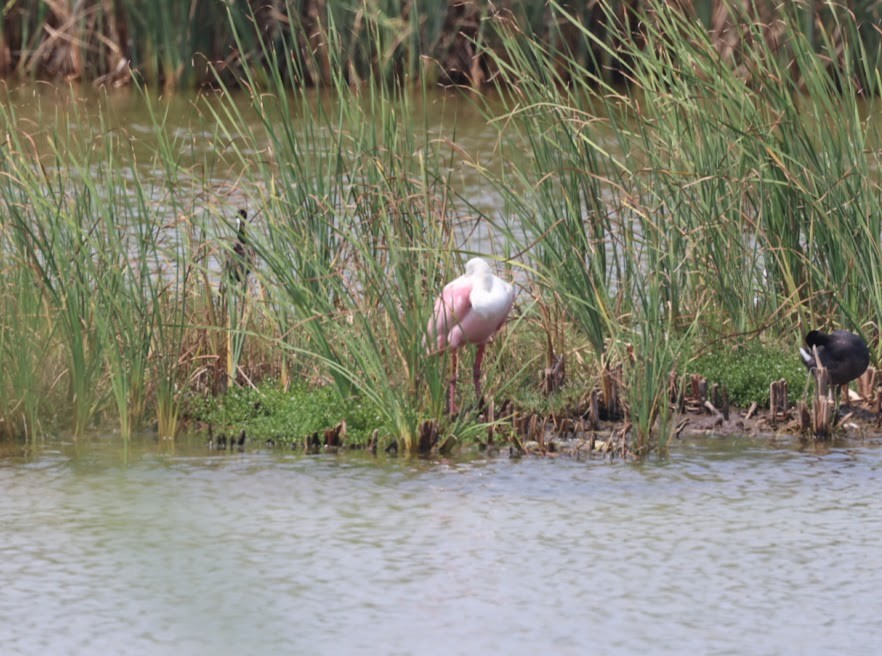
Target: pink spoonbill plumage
x,y
470,310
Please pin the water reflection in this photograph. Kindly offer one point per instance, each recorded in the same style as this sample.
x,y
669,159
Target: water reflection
x,y
726,545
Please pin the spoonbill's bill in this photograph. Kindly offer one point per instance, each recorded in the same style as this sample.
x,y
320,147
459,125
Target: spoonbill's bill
x,y
470,310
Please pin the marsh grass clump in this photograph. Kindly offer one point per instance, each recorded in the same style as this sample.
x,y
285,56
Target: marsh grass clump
x,y
725,193
359,234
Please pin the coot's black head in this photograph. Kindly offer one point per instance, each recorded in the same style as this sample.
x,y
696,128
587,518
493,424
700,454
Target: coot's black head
x,y
816,338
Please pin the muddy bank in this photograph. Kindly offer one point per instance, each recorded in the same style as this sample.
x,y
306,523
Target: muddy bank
x,y
573,433
856,421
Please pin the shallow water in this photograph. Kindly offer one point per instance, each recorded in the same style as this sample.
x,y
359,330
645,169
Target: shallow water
x,y
727,547
209,185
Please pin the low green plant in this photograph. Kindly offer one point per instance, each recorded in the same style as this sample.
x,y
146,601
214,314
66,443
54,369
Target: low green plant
x,y
747,370
269,413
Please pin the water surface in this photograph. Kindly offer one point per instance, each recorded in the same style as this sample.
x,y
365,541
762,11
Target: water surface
x,y
727,547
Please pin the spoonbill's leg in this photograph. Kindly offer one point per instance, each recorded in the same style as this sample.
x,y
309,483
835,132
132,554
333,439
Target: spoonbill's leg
x,y
476,373
451,398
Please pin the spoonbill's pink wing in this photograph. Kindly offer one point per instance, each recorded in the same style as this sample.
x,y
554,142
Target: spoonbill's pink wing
x,y
452,308
478,329
490,307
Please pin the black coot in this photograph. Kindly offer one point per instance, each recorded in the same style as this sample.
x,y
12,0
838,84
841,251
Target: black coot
x,y
844,354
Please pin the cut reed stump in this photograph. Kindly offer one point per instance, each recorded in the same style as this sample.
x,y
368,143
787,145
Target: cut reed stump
x,y
611,384
490,418
878,407
777,401
622,446
428,435
822,405
334,437
699,388
694,399
593,410
673,387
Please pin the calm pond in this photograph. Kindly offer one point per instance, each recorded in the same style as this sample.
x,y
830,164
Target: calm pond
x,y
53,114
730,546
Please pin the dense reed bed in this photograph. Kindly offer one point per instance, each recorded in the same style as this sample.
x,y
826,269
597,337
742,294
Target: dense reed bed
x,y
182,44
175,43
710,204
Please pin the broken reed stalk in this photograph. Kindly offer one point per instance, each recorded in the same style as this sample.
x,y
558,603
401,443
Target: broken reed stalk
x,y
674,395
822,407
335,437
610,381
490,418
696,387
594,410
429,435
804,417
778,400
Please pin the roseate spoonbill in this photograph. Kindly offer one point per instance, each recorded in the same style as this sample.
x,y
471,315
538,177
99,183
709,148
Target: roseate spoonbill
x,y
844,354
469,311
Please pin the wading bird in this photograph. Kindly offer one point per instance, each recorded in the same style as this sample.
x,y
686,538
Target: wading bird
x,y
845,355
469,311
238,266
233,296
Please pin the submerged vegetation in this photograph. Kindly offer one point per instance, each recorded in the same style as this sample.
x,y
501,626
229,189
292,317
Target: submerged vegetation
x,y
725,204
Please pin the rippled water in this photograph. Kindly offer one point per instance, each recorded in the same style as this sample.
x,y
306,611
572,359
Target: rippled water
x,y
727,547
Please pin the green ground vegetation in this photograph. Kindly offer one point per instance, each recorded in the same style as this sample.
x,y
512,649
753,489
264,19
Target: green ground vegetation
x,y
271,415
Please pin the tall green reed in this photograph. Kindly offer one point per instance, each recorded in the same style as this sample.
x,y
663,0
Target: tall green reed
x,y
747,190
562,193
110,265
356,241
175,264
53,228
25,353
776,150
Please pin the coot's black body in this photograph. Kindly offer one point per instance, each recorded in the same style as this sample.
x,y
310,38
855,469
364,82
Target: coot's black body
x,y
844,354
